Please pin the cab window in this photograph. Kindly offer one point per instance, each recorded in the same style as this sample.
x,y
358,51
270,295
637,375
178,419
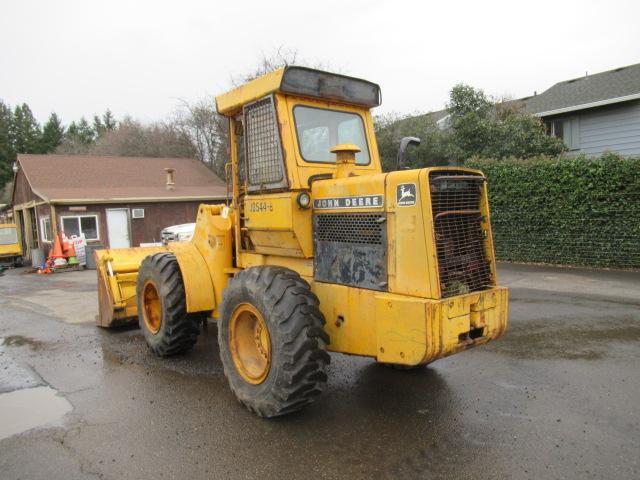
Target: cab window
x,y
8,236
320,129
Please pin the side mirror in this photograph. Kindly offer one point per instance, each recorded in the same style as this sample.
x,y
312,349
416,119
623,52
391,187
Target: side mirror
x,y
404,143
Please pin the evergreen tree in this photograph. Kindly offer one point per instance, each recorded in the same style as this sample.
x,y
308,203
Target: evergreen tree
x,y
52,134
81,133
24,131
109,120
98,126
104,124
72,130
86,133
7,154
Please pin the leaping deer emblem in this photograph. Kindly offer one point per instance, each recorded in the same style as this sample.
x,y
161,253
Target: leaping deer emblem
x,y
405,193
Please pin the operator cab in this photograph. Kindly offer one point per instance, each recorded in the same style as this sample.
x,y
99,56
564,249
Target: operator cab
x,y
284,125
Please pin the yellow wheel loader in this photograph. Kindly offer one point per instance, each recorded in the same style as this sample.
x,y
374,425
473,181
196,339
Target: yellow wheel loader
x,y
318,251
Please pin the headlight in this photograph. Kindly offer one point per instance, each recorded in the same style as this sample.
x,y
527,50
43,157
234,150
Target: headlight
x,y
304,200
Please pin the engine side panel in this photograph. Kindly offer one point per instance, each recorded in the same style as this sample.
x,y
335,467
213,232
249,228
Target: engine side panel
x,y
350,232
351,249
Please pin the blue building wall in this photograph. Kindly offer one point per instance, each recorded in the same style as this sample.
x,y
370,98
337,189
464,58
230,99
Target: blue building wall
x,y
614,128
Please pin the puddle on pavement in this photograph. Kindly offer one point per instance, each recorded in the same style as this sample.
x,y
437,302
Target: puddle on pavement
x,y
22,410
19,341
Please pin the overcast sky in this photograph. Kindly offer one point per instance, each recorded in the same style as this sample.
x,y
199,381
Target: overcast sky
x,y
139,57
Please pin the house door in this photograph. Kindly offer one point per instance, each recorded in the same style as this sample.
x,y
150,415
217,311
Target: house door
x,y
118,228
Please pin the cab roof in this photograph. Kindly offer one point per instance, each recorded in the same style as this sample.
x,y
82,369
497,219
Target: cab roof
x,y
303,81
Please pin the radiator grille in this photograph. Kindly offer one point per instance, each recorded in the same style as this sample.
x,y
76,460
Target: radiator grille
x,y
360,228
462,261
263,143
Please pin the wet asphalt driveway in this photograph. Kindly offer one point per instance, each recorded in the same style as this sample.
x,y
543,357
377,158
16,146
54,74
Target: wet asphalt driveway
x,y
557,397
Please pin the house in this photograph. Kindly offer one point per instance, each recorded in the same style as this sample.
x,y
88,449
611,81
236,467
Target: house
x,y
594,113
114,201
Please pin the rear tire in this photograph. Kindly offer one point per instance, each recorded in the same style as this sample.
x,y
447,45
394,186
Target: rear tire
x,y
162,311
289,370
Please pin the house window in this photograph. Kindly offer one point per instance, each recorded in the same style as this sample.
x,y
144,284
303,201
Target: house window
x,y
45,227
566,130
557,128
87,224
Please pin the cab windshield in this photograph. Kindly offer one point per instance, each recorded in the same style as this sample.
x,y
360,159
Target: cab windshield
x,y
320,129
8,235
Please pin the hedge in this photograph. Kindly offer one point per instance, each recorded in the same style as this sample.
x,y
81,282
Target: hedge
x,y
569,210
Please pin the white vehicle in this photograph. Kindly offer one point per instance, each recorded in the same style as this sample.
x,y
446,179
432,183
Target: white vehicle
x,y
177,233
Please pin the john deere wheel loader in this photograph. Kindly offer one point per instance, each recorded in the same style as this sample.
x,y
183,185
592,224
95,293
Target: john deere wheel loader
x,y
317,251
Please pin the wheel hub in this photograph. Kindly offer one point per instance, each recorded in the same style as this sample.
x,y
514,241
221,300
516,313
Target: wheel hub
x,y
250,344
152,307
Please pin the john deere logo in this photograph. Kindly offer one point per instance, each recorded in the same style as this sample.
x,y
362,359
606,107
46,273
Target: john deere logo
x,y
406,194
348,202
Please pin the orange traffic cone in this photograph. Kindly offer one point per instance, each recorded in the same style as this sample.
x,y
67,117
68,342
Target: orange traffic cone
x,y
56,251
65,244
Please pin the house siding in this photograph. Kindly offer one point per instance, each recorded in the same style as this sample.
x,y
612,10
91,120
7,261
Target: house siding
x,y
614,129
22,191
141,230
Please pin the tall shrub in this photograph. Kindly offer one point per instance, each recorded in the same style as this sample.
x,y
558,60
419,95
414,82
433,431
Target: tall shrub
x,y
573,211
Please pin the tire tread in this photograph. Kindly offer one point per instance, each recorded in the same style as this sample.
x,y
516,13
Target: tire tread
x,y
299,331
181,330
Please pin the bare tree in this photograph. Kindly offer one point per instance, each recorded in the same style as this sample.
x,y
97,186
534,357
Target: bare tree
x,y
280,57
207,130
132,138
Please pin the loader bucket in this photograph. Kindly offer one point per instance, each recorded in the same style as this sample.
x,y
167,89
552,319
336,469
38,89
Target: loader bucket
x,y
117,275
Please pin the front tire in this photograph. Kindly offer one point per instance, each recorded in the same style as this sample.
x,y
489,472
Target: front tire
x,y
272,342
162,311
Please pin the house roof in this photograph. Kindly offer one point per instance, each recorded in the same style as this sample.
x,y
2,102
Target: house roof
x,y
89,178
613,86
438,115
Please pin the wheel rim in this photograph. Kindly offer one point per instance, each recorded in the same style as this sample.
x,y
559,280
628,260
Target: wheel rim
x,y
250,344
152,313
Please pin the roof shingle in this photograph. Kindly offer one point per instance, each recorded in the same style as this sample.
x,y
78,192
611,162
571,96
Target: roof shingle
x,y
616,83
104,178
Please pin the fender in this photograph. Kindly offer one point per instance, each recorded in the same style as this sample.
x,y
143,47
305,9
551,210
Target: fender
x,y
206,262
198,286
